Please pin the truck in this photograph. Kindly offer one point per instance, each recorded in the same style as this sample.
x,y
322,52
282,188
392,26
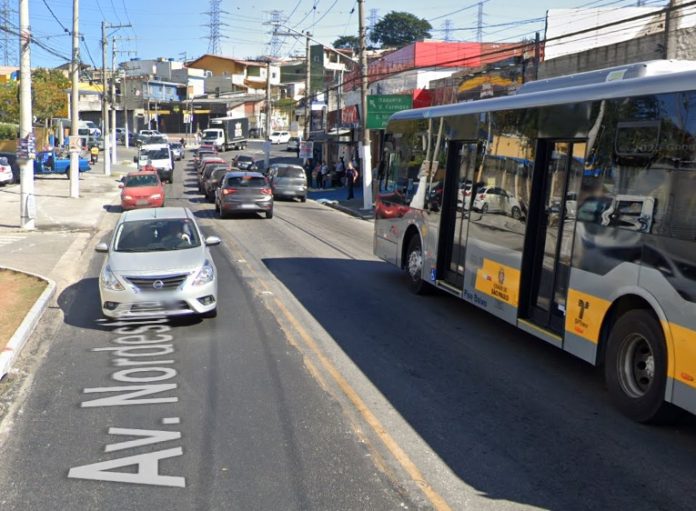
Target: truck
x,y
227,133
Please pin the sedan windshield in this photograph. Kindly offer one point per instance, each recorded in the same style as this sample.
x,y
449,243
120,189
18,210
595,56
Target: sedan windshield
x,y
156,235
147,180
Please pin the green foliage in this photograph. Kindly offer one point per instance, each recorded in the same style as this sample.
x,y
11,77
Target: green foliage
x,y
9,104
398,29
9,131
49,94
347,42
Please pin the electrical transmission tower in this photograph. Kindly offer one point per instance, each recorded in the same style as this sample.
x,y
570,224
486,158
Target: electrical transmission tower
x,y
479,29
371,22
276,23
214,35
8,44
447,28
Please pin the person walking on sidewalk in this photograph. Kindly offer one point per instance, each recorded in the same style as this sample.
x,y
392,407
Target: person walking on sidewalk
x,y
351,178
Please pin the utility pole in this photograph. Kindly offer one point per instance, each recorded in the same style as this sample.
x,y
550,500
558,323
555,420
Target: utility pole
x,y
27,207
106,135
75,105
105,117
308,87
268,110
113,155
365,146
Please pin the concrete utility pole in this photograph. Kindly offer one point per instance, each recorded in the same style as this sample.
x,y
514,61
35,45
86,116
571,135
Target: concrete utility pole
x,y
27,206
75,103
105,117
366,153
308,88
268,111
113,155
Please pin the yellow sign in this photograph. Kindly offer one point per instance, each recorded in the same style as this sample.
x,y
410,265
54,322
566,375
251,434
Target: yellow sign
x,y
584,315
499,281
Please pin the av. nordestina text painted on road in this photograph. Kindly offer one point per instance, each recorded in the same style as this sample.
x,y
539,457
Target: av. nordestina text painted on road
x,y
141,358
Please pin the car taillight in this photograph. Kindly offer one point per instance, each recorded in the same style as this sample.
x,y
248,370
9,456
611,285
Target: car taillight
x,y
482,196
228,191
266,191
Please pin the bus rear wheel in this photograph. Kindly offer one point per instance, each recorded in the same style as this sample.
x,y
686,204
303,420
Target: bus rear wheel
x,y
636,368
414,266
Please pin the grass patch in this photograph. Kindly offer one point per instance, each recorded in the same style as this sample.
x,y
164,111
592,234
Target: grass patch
x,y
18,293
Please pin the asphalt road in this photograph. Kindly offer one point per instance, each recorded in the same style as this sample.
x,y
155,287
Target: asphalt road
x,y
323,384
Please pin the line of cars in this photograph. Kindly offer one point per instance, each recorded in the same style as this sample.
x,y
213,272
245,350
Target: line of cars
x,y
239,186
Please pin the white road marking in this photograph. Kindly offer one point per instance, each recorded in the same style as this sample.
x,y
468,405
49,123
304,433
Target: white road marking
x,y
8,239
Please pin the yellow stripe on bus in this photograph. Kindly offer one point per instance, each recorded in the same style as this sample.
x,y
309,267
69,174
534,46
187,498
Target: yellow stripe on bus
x,y
684,355
499,281
584,315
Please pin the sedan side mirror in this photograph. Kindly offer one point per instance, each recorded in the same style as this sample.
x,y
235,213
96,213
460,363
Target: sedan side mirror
x,y
101,247
211,241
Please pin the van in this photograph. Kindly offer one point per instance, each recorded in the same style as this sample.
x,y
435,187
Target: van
x,y
160,157
94,130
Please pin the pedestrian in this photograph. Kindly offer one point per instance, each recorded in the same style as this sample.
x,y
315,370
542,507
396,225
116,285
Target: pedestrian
x,y
94,152
351,178
380,174
324,175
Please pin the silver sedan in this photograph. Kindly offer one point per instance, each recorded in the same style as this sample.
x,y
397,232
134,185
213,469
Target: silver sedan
x,y
158,264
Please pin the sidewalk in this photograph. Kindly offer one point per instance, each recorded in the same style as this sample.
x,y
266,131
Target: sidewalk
x,y
64,228
336,198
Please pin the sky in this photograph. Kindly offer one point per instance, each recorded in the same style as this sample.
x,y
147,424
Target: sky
x,y
177,28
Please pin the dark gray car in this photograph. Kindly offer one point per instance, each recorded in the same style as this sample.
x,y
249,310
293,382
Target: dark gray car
x,y
244,191
288,181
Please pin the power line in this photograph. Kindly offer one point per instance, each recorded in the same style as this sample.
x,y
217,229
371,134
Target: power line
x,y
55,17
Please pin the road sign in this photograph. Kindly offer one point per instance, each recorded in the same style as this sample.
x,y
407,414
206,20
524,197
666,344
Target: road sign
x,y
75,143
306,149
381,108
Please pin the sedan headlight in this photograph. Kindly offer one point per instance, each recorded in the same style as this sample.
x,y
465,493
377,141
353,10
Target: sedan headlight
x,y
109,280
127,197
205,275
156,196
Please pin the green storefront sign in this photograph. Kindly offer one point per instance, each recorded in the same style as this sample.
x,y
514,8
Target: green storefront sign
x,y
381,108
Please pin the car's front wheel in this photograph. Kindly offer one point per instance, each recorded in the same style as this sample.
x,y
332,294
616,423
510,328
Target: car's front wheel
x,y
269,214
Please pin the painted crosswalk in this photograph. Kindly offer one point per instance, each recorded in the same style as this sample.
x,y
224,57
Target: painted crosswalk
x,y
9,239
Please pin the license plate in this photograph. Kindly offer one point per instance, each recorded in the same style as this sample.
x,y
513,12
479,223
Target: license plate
x,y
142,202
248,206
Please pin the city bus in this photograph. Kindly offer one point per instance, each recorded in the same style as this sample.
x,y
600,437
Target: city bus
x,y
567,210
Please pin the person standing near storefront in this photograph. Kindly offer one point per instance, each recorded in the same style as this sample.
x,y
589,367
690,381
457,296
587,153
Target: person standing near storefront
x,y
351,178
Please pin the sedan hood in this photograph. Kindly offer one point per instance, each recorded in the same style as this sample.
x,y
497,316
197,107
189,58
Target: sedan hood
x,y
159,263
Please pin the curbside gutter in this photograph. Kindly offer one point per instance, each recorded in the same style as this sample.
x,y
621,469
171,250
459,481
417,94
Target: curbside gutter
x,y
26,327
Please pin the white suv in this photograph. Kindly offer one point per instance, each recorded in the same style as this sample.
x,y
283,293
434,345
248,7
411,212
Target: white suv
x,y
279,137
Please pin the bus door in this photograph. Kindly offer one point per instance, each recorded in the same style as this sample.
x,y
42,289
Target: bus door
x,y
550,233
456,203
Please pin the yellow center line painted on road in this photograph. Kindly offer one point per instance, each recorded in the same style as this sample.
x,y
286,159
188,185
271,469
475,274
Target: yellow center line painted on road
x,y
437,501
435,498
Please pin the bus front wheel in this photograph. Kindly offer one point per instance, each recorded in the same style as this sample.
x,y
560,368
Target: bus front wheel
x,y
414,266
636,368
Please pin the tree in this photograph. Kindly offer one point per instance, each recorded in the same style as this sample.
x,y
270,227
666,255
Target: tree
x,y
49,94
400,29
9,104
347,42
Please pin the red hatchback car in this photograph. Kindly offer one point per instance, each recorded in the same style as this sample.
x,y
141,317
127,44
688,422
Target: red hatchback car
x,y
141,190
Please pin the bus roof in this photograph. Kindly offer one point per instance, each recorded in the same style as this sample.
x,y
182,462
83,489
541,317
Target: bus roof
x,y
648,81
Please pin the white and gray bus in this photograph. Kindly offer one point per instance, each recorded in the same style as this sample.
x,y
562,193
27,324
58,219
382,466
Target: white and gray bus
x,y
568,210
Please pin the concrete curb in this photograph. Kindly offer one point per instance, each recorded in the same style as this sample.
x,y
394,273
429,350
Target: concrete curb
x,y
26,327
352,212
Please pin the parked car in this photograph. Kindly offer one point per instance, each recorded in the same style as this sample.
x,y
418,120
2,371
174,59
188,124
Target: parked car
x,y
494,199
288,181
135,139
120,134
49,162
12,159
206,168
244,191
177,150
293,144
279,137
243,161
6,176
142,189
212,181
158,264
